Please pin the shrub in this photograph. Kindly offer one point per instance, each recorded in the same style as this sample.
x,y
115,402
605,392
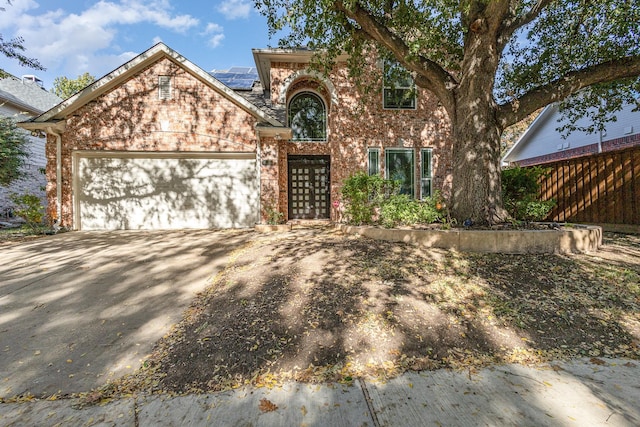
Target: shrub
x,y
274,216
400,209
363,195
520,193
370,199
28,206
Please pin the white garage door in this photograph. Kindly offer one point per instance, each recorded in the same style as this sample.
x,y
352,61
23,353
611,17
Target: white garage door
x,y
142,191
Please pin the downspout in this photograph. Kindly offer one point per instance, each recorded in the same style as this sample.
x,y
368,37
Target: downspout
x,y
58,172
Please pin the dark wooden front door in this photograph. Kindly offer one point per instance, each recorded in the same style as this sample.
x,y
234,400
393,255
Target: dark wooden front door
x,y
309,195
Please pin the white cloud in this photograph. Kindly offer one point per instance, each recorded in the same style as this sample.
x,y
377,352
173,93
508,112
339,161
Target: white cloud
x,y
156,40
234,9
216,40
213,28
215,32
57,37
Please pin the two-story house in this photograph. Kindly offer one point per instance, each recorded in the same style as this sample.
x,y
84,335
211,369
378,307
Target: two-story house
x,y
160,143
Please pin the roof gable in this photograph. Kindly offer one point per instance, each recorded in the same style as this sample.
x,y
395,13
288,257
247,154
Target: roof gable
x,y
137,64
543,139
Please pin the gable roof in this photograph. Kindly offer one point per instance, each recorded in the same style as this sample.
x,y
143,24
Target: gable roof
x,y
26,95
543,143
127,70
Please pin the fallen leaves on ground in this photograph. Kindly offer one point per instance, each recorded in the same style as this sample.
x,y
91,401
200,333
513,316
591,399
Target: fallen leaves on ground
x,y
319,306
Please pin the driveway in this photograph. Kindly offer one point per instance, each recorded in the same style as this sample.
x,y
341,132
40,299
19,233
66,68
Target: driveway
x,y
81,308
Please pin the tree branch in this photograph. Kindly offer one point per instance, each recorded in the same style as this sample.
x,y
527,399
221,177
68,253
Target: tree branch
x,y
565,86
519,22
431,75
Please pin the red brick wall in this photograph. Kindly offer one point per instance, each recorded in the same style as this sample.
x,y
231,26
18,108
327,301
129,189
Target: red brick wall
x,y
132,117
357,122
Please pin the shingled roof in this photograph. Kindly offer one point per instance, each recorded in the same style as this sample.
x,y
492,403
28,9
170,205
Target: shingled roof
x,y
26,95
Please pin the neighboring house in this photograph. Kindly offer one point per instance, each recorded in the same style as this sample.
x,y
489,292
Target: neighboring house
x,y
21,99
160,143
593,177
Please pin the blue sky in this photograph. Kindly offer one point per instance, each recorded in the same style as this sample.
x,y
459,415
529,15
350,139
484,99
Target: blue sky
x,y
70,37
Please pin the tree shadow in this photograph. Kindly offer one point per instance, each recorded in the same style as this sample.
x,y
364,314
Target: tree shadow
x,y
315,305
80,309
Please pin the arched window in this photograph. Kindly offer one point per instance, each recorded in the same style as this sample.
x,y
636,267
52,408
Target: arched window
x,y
307,117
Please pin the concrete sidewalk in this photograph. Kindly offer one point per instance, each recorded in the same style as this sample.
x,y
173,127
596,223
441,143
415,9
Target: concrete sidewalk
x,y
578,393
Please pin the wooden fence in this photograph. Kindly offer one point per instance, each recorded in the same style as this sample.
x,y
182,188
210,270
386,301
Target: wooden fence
x,y
602,188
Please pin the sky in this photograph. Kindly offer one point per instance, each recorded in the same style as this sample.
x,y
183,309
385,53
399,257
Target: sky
x,y
71,37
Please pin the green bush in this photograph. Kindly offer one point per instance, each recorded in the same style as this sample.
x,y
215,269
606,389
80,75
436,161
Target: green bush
x,y
274,216
372,199
363,195
520,193
400,209
28,207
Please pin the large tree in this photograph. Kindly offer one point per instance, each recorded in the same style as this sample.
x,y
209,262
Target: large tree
x,y
64,87
491,63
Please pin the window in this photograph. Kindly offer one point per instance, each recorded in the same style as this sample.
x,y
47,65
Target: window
x,y
307,117
399,89
426,173
374,161
399,166
164,87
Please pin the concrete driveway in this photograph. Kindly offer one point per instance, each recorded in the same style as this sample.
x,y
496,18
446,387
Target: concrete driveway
x,y
78,309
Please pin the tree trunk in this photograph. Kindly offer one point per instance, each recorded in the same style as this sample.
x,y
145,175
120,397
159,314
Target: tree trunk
x,y
476,192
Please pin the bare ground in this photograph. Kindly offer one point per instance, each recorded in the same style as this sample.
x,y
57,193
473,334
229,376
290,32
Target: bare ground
x,y
318,305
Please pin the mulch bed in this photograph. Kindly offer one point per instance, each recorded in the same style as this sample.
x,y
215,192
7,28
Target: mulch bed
x,y
316,305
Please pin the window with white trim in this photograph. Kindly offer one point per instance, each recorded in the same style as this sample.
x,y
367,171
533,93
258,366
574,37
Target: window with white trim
x,y
426,173
399,92
164,87
307,117
373,155
399,166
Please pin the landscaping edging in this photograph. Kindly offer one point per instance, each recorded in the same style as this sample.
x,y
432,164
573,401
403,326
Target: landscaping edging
x,y
575,239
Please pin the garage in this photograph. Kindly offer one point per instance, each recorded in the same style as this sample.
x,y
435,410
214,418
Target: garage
x,y
157,191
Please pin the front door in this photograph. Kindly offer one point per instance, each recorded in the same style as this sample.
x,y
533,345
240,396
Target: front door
x,y
309,195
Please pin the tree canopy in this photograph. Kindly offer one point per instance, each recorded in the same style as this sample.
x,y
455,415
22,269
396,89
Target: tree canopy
x,y
491,63
13,151
64,87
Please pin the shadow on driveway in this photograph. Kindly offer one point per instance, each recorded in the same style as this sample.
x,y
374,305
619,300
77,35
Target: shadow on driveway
x,y
79,309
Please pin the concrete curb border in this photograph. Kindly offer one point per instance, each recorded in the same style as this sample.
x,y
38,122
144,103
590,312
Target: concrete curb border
x,y
574,239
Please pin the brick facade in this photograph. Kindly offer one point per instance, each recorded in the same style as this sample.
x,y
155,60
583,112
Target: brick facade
x,y
131,117
356,123
198,118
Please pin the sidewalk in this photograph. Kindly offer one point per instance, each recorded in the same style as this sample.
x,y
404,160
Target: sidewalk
x,y
587,392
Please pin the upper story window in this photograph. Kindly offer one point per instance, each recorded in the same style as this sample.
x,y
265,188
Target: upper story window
x,y
164,87
307,117
399,88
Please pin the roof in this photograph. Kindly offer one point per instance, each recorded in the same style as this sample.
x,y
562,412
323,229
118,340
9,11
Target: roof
x,y
26,95
135,65
543,143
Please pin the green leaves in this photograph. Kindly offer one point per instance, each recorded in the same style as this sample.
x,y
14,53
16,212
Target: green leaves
x,y
64,87
13,151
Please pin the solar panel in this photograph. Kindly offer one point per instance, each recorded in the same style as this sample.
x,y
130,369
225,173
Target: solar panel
x,y
237,78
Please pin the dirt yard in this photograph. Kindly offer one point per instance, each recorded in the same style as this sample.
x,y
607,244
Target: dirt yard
x,y
317,305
